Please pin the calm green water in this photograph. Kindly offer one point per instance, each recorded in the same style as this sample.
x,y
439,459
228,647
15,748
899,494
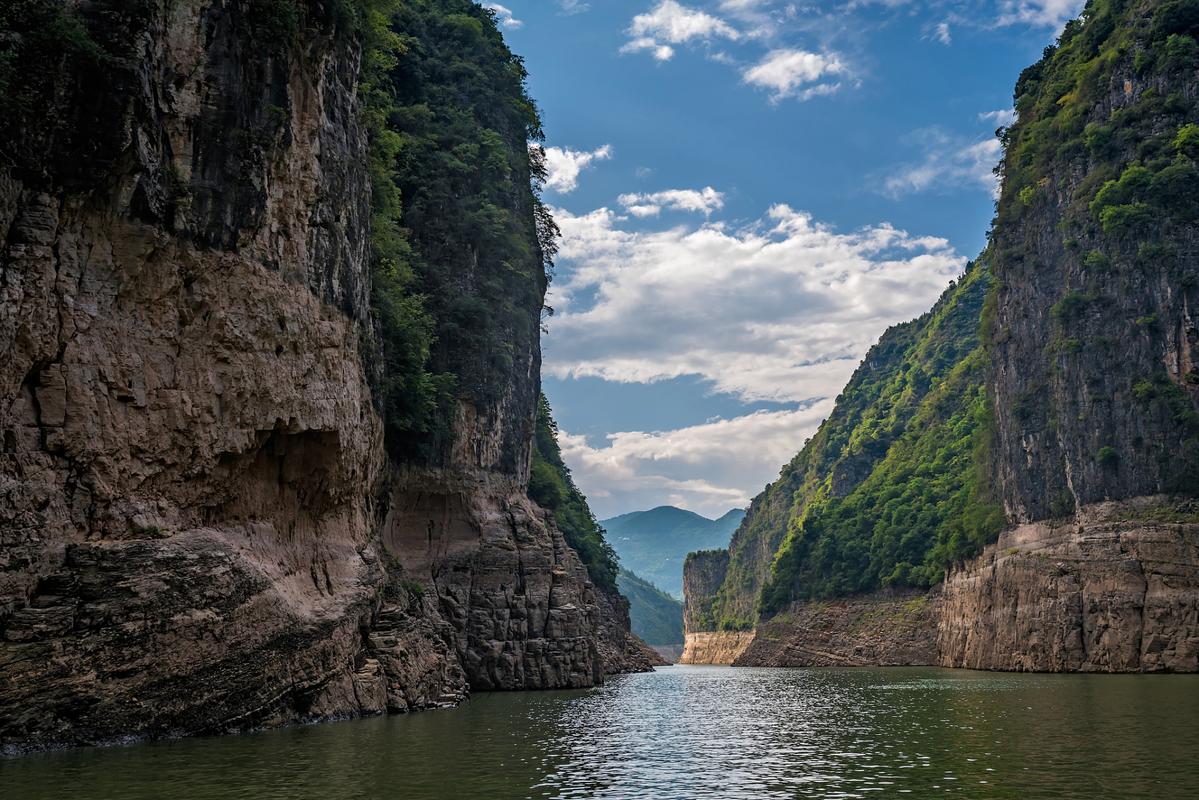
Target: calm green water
x,y
686,732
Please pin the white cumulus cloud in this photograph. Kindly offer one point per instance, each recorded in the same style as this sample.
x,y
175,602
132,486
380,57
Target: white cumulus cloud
x,y
708,468
671,23
796,73
503,15
780,310
563,166
661,52
949,163
700,201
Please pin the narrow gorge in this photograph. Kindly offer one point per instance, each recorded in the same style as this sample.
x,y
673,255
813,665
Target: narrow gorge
x,y
275,446
1008,482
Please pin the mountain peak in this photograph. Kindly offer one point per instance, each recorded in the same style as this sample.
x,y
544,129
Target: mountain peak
x,y
654,543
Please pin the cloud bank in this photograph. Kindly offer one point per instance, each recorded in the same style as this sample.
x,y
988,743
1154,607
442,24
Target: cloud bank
x,y
735,457
780,310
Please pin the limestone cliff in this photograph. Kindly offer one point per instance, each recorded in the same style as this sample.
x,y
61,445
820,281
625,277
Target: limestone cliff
x,y
1111,590
200,528
1038,482
703,575
715,647
1115,589
1095,397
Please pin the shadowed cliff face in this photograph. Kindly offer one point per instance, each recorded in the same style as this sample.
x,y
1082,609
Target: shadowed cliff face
x,y
1095,255
703,574
199,528
190,443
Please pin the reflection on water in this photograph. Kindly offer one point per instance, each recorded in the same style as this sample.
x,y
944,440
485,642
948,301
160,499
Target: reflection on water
x,y
686,732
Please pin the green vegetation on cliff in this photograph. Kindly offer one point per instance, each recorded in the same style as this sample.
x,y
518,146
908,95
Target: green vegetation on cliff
x,y
894,486
38,35
460,239
655,616
1057,372
890,490
1105,150
552,487
1140,160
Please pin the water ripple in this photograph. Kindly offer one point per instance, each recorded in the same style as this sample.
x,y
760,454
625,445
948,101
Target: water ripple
x,y
687,732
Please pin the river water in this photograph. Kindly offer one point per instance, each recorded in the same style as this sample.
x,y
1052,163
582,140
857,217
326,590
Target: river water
x,y
689,732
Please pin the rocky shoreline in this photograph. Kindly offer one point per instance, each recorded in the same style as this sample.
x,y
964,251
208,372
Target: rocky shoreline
x,y
1114,590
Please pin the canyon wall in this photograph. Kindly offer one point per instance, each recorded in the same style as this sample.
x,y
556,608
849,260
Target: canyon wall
x,y
1032,466
703,575
200,528
715,647
1114,590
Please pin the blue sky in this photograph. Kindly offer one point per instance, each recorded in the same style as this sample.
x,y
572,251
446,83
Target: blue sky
x,y
750,192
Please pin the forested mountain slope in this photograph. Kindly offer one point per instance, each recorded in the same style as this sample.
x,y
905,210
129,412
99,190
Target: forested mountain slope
x,y
1058,374
656,616
654,543
887,491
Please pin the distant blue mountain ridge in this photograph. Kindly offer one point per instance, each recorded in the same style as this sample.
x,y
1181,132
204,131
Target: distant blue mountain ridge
x,y
653,544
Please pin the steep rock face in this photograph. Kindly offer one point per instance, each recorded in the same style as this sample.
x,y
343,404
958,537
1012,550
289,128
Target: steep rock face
x,y
190,445
199,529
1085,385
1097,265
1094,388
865,630
1111,591
703,575
715,647
622,650
1114,590
517,602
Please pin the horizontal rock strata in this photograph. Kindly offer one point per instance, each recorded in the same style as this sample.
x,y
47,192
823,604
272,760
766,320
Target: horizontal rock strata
x,y
1106,593
870,630
200,531
715,647
1114,590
